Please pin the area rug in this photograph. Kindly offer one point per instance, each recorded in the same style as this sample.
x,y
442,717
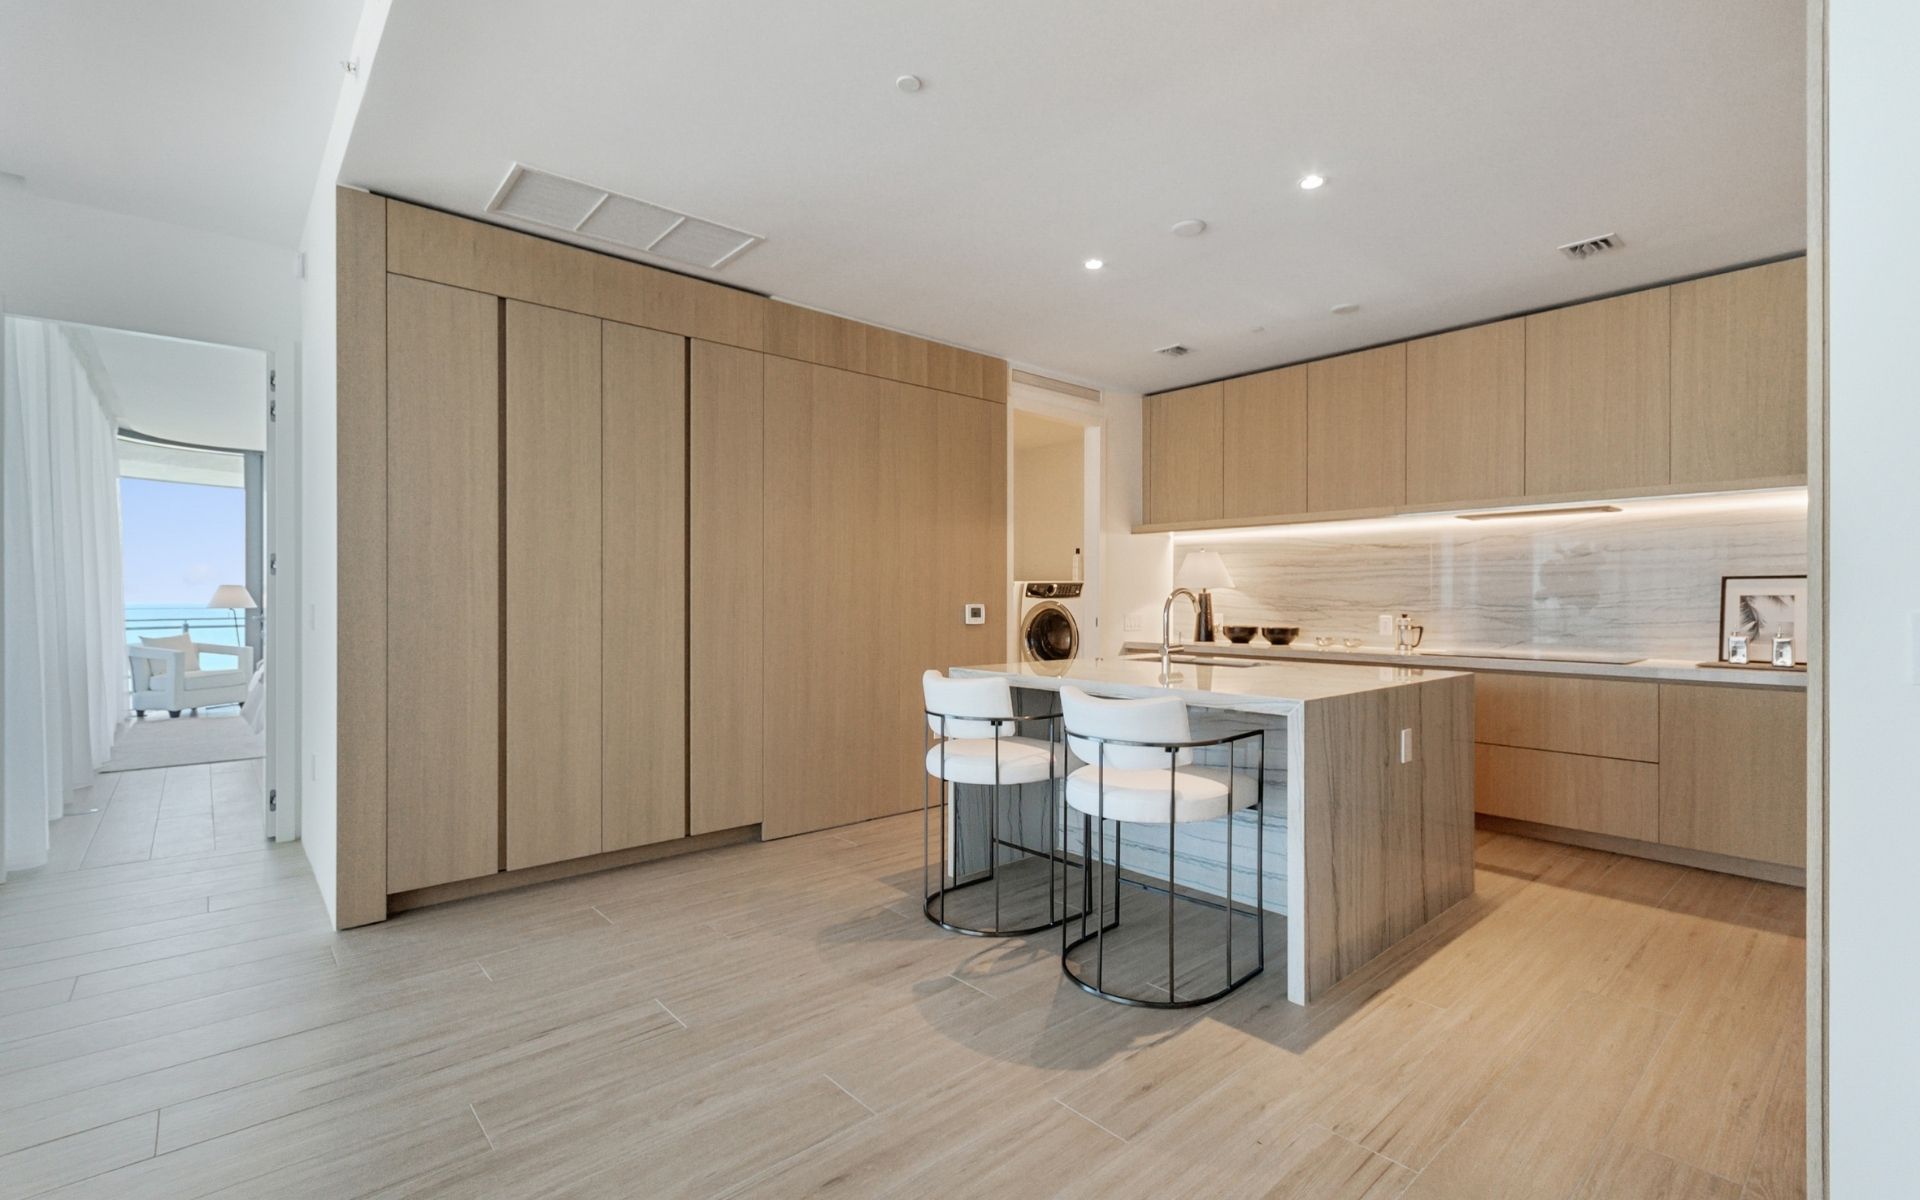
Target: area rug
x,y
182,741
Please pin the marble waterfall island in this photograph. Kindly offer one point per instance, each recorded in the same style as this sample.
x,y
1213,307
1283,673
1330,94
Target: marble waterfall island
x,y
1375,768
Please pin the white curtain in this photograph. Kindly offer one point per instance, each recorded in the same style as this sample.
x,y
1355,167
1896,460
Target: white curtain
x,y
65,650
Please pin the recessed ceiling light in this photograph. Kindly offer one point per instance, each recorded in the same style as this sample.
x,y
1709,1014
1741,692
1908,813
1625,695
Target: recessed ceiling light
x,y
1310,182
1094,264
1189,228
909,83
1344,309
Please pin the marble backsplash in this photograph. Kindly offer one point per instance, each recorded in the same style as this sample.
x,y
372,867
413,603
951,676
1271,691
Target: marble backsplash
x,y
1645,580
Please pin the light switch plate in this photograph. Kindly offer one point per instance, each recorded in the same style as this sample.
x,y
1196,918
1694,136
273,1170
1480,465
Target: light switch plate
x,y
1386,622
1133,622
975,614
1406,745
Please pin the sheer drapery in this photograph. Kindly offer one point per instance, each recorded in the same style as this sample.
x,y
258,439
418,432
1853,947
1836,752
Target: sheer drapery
x,y
65,642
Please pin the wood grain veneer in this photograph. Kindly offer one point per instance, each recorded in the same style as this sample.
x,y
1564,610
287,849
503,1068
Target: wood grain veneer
x,y
1182,444
1466,414
553,588
1739,374
1264,444
1597,408
726,578
443,584
1579,791
360,748
1608,717
1357,430
829,341
643,759
1733,771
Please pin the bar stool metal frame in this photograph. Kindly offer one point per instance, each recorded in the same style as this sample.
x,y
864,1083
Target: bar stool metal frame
x,y
1057,914
1094,872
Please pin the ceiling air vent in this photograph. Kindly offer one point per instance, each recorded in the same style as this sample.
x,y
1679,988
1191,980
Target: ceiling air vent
x,y
1588,247
543,198
1173,351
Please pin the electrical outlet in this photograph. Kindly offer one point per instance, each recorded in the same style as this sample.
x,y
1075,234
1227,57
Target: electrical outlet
x,y
1406,745
1386,622
1133,622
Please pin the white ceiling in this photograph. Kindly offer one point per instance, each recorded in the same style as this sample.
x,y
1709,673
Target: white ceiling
x,y
1462,142
194,392
204,113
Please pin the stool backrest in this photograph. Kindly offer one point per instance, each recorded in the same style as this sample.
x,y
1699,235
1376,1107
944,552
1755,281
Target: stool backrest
x,y
984,697
1162,719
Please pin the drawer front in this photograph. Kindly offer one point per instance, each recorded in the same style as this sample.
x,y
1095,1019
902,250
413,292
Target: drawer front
x,y
1575,791
1612,718
1734,776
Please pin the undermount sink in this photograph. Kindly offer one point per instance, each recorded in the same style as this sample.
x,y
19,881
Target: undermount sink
x,y
1195,660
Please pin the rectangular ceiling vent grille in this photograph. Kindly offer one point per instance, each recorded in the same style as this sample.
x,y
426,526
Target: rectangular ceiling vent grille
x,y
1588,247
557,202
1174,351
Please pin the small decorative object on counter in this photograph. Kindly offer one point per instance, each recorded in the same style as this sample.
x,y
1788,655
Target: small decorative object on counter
x,y
1351,643
1239,635
1280,635
1737,648
1325,643
1762,607
1783,650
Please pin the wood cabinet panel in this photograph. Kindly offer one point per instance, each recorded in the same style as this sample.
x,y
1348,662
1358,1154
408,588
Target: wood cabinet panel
x,y
830,341
443,584
552,585
644,647
1264,422
1357,430
852,466
1733,765
1613,718
724,680
1739,375
1182,453
1466,414
972,531
1576,791
1597,412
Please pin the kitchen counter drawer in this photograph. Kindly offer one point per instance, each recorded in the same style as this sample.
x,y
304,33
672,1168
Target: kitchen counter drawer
x,y
1733,772
1609,718
1614,796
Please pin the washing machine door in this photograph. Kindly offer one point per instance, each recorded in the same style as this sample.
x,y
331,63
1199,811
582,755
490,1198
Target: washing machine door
x,y
1050,634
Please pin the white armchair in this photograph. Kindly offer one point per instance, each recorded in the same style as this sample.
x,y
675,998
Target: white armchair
x,y
167,674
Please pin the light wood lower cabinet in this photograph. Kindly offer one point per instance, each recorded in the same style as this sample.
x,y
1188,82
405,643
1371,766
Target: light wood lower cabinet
x,y
1182,444
1614,718
1265,444
1576,791
1357,430
443,584
1733,771
552,585
643,688
724,652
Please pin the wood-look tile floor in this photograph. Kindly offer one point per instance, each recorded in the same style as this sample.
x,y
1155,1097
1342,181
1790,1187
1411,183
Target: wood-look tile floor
x,y
777,1020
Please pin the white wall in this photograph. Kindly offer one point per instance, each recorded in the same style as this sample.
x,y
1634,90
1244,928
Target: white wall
x,y
1874,580
1047,499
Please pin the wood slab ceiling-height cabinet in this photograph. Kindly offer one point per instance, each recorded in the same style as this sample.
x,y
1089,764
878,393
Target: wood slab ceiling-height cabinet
x,y
1357,430
727,584
1597,395
643,760
443,590
1183,443
1466,414
1264,463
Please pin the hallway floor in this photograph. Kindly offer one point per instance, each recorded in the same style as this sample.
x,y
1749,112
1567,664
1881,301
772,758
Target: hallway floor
x,y
777,1020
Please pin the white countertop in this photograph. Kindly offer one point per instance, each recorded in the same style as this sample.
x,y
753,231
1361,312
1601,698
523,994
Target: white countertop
x,y
1260,686
1665,670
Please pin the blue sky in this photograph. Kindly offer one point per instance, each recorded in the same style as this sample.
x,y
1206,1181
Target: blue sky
x,y
181,540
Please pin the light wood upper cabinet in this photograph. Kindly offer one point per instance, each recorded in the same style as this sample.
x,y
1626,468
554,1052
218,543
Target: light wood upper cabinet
x,y
1264,468
1733,771
1597,395
443,584
552,585
643,686
1357,430
1466,414
1739,375
724,781
1182,432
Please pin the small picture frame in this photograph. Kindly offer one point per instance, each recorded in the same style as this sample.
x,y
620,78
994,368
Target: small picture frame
x,y
1761,608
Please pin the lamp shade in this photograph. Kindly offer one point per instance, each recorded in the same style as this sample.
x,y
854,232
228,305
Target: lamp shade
x,y
232,595
1203,569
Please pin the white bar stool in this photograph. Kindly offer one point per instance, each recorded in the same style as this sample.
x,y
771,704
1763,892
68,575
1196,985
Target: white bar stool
x,y
1139,768
980,744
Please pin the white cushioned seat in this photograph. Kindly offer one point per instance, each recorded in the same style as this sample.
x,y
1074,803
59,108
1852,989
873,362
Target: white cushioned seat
x,y
1140,793
196,681
970,760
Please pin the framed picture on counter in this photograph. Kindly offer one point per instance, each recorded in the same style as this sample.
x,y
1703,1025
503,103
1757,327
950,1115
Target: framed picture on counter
x,y
1760,608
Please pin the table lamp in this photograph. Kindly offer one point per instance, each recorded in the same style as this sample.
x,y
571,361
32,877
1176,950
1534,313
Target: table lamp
x,y
1203,570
